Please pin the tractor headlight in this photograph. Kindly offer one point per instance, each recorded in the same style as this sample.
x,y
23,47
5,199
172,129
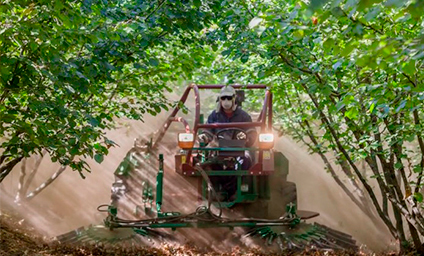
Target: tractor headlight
x,y
266,140
186,140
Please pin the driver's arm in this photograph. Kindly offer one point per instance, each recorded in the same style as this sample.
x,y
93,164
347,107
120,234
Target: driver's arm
x,y
205,135
250,132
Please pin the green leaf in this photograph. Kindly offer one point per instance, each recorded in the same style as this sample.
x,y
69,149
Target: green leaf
x,y
254,22
398,165
197,3
329,43
352,113
337,65
93,121
110,143
337,12
419,197
401,105
98,158
409,67
244,58
298,34
417,169
153,62
410,137
340,105
97,146
315,4
372,13
418,55
226,52
349,48
372,107
61,151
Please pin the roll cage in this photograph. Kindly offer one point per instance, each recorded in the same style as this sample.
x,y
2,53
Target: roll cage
x,y
264,121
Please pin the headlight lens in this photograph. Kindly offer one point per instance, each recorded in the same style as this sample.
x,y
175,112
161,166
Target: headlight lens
x,y
186,140
266,137
266,140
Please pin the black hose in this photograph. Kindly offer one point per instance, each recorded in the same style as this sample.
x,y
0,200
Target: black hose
x,y
102,210
210,189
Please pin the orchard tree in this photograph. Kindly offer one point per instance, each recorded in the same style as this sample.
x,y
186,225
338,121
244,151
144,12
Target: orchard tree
x,y
68,68
348,81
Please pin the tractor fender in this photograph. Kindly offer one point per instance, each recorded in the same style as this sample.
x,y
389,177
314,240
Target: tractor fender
x,y
281,166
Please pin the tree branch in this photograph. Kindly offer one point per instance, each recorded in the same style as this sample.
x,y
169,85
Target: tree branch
x,y
6,169
34,171
21,181
287,61
155,10
362,23
46,183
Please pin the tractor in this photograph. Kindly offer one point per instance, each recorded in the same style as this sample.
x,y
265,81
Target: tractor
x,y
256,197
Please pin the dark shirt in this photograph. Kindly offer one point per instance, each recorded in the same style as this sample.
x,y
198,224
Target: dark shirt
x,y
239,115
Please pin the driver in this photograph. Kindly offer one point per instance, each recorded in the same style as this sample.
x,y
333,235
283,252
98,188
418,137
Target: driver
x,y
226,111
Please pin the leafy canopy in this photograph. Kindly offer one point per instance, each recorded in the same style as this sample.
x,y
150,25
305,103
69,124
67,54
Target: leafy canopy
x,y
67,69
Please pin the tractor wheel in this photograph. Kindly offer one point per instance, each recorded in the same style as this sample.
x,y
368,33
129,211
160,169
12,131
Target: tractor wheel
x,y
274,208
281,194
257,210
289,193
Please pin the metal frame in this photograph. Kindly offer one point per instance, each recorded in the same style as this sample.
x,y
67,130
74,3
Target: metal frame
x,y
264,121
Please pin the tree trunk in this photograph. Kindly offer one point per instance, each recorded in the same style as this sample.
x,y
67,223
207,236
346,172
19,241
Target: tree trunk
x,y
34,171
403,243
22,175
46,183
6,168
416,239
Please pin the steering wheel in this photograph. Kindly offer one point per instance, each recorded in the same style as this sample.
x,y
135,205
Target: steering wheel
x,y
235,131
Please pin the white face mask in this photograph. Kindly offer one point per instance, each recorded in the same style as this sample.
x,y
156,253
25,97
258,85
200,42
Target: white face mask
x,y
227,104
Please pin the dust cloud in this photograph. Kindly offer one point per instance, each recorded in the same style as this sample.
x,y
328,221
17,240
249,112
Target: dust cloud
x,y
71,202
317,191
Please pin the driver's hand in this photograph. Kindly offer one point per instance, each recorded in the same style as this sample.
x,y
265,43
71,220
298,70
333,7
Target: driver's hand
x,y
203,138
241,136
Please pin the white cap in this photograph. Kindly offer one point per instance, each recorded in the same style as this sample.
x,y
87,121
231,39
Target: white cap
x,y
227,91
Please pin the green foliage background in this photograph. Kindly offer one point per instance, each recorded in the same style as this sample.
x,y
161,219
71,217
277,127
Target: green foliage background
x,y
67,69
348,80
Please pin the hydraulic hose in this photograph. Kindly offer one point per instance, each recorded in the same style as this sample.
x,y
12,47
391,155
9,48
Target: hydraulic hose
x,y
211,190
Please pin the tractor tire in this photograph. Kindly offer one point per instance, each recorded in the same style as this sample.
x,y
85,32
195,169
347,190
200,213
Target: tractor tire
x,y
257,209
289,193
281,194
274,208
